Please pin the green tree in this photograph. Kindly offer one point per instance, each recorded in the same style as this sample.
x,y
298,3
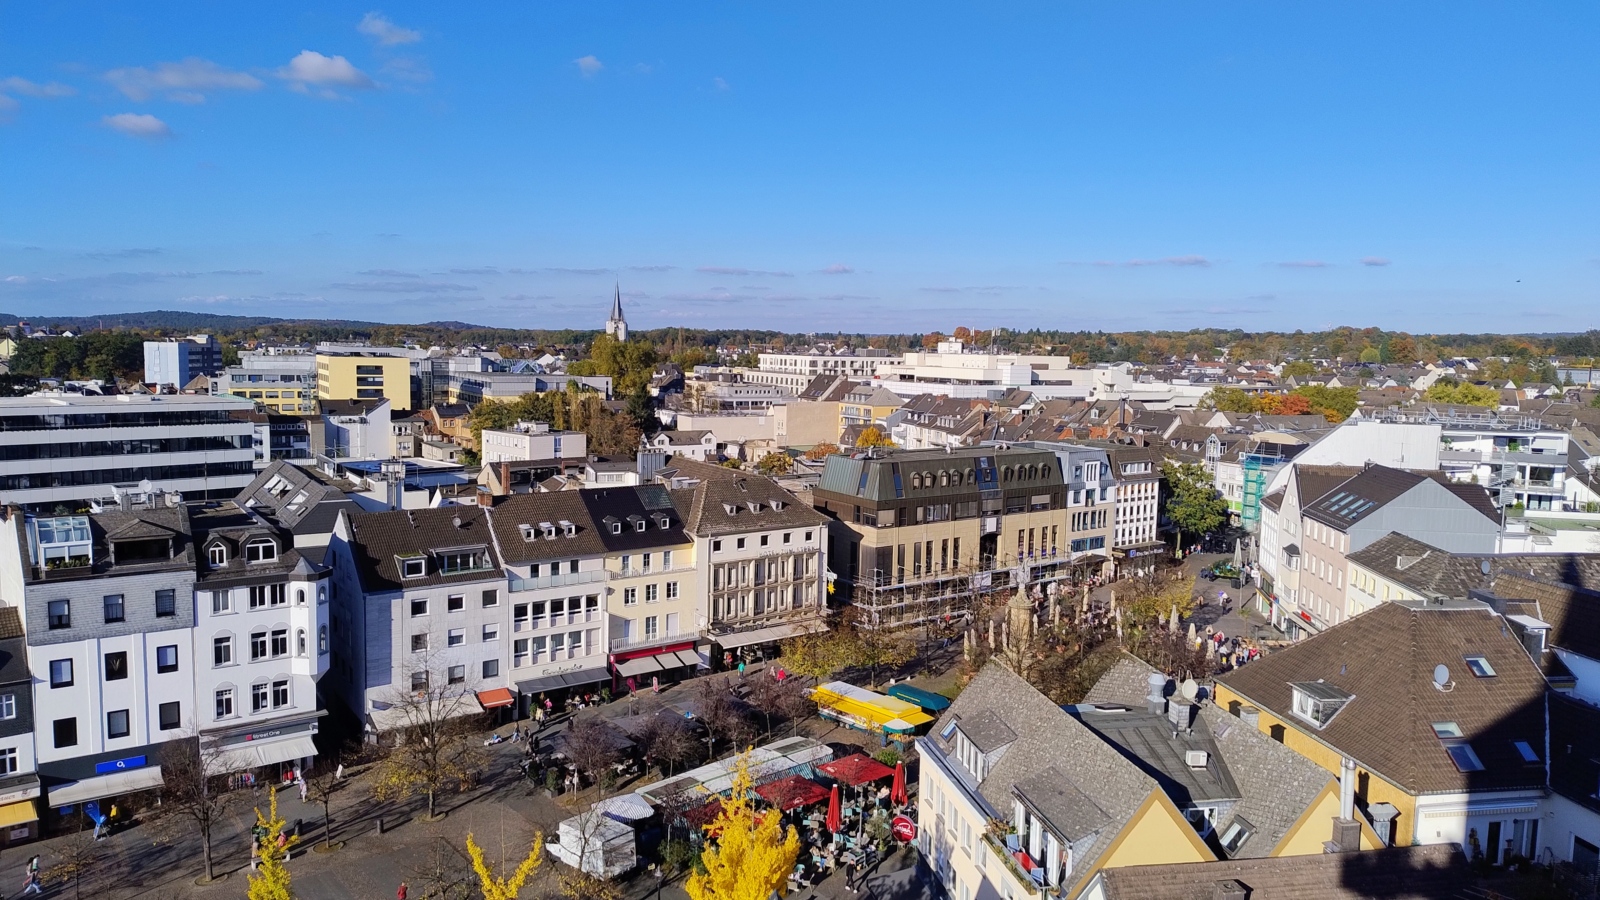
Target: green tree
x,y
1193,504
1298,368
1371,355
775,464
630,365
1230,399
1463,394
1335,403
641,412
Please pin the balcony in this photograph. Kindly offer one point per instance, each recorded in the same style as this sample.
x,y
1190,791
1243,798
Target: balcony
x,y
996,842
561,580
649,640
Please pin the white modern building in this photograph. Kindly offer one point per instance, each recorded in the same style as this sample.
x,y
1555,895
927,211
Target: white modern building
x,y
58,448
531,440
952,371
855,364
176,363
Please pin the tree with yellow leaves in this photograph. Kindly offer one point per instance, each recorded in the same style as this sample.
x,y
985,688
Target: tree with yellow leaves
x,y
752,857
507,887
270,880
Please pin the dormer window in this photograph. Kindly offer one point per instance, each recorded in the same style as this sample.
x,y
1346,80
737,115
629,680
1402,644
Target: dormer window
x,y
568,528
527,532
1317,702
663,522
730,508
548,529
777,505
217,554
413,567
753,505
616,527
639,525
261,550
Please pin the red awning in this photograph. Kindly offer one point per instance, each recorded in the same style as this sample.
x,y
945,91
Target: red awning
x,y
792,792
701,816
496,698
856,769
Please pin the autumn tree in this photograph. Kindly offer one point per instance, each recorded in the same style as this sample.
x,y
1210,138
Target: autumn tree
x,y
1335,404
962,333
1463,394
1286,405
592,746
1299,368
873,436
821,451
1229,399
931,340
751,856
504,887
819,654
270,880
1402,349
1192,504
775,464
668,741
435,743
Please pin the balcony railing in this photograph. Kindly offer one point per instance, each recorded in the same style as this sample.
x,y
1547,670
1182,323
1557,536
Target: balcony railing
x,y
561,580
648,640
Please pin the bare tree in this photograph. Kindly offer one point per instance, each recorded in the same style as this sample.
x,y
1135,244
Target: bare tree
x,y
79,855
194,778
435,747
783,701
720,713
321,785
444,873
668,741
593,747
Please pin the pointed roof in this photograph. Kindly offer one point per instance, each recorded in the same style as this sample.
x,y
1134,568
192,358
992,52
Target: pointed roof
x,y
616,306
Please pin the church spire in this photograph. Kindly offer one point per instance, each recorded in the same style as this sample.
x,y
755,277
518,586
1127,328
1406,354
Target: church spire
x,y
617,326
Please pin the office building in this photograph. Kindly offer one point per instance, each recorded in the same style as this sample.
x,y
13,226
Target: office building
x,y
364,375
70,448
176,363
531,440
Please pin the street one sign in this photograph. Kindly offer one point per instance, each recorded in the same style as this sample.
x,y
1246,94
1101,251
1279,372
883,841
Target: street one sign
x,y
903,828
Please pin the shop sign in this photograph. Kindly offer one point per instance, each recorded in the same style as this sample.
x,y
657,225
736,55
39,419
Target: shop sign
x,y
903,828
119,765
267,734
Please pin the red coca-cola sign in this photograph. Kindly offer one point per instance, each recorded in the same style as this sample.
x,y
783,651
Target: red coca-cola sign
x,y
903,828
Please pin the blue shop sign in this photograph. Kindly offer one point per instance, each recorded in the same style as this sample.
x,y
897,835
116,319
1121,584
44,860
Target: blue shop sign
x,y
118,765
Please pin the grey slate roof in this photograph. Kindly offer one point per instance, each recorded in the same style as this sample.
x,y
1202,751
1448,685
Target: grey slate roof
x,y
509,514
1431,572
704,506
377,538
1432,872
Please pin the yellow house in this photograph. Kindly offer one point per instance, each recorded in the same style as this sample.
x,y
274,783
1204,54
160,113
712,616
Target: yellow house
x,y
867,405
364,376
8,347
1017,799
1433,712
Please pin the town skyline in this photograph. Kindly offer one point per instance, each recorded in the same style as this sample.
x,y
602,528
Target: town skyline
x,y
1100,169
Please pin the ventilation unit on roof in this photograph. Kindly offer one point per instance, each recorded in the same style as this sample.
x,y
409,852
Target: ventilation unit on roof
x,y
1195,759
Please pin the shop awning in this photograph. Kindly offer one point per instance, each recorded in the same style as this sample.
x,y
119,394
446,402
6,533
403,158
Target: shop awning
x,y
792,792
253,755
856,769
869,708
767,635
564,680
105,786
644,665
688,658
496,698
18,813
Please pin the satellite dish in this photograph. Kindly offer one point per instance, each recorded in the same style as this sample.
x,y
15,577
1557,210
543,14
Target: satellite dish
x,y
1441,675
1190,689
146,487
1483,566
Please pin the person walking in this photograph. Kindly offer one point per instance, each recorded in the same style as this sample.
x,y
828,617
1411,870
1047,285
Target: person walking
x,y
30,884
338,774
303,790
401,893
655,684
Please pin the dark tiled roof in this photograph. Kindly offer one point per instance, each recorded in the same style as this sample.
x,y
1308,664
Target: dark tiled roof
x,y
1431,572
705,505
349,407
627,508
378,538
1385,658
1312,483
234,527
1573,611
509,515
1147,740
10,622
1433,872
1361,495
1274,500
277,493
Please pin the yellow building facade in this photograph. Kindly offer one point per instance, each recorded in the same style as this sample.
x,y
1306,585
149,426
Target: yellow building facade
x,y
357,376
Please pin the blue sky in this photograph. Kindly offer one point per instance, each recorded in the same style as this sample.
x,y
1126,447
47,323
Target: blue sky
x,y
819,166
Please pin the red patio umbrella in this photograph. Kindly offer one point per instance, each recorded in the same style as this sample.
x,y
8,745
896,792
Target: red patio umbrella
x,y
855,770
897,793
792,792
834,819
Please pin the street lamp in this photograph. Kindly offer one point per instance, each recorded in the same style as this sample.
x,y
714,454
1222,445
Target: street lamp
x,y
661,877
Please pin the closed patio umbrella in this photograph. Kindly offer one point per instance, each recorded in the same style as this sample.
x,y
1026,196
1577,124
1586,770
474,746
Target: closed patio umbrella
x,y
834,819
897,794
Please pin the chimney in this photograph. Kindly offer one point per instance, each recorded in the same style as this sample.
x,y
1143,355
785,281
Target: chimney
x,y
1232,889
1250,716
1346,837
1383,816
1156,701
1347,788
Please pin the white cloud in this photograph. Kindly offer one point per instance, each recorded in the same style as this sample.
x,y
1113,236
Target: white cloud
x,y
719,83
382,29
186,81
1303,264
1374,261
7,106
51,90
139,125
837,269
311,68
589,65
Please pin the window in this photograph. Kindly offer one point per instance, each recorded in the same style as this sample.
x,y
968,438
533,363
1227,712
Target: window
x,y
716,546
167,658
630,596
491,668
280,693
1238,832
261,550
258,646
1318,702
419,642
672,590
166,603
217,554
455,637
1526,751
666,560
322,639
221,602
60,673
60,614
808,536
457,674
225,703
413,567
280,642
279,595
222,651
738,543
1464,758
8,761
8,706
116,666
650,627
764,539
66,732
455,603
491,599
117,723
491,632
170,716
259,694
419,681
113,605
258,596
651,593
419,607
1444,730
462,561
1480,667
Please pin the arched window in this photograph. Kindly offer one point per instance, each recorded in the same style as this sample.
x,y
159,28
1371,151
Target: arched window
x,y
1033,473
971,477
1005,474
300,642
955,478
1045,471
300,596
944,479
916,480
217,554
322,639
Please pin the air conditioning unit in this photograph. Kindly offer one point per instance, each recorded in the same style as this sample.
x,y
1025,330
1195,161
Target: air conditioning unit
x,y
1195,758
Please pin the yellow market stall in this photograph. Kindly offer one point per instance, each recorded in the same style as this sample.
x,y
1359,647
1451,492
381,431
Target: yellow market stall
x,y
857,707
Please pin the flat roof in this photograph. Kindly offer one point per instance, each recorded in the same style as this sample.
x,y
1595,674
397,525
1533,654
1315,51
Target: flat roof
x,y
55,400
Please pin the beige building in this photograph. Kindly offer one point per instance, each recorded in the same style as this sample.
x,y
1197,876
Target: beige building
x,y
358,375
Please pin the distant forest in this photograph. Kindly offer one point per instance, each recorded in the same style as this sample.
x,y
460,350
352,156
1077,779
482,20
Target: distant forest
x,y
109,345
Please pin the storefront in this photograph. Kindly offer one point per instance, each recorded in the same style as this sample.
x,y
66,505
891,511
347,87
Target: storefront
x,y
19,809
269,754
756,644
105,779
662,664
557,683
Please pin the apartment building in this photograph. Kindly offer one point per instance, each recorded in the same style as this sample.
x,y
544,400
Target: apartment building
x,y
418,604
555,566
175,363
950,369
761,558
532,440
288,388
865,405
476,387
1090,504
365,376
19,777
856,364
1521,459
650,598
697,444
106,604
260,640
356,429
65,449
1378,500
1138,510
913,533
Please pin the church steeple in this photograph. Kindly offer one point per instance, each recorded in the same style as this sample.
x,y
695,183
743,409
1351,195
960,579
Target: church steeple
x,y
617,326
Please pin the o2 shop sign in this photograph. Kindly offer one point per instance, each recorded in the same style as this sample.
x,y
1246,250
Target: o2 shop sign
x,y
903,828
119,765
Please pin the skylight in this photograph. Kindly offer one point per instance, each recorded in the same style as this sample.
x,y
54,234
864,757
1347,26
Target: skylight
x,y
1443,730
1480,667
1464,758
948,730
1526,751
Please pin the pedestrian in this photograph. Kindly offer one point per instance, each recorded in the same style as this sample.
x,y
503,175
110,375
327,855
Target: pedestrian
x,y
741,668
632,687
401,893
338,774
303,790
655,684
30,883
